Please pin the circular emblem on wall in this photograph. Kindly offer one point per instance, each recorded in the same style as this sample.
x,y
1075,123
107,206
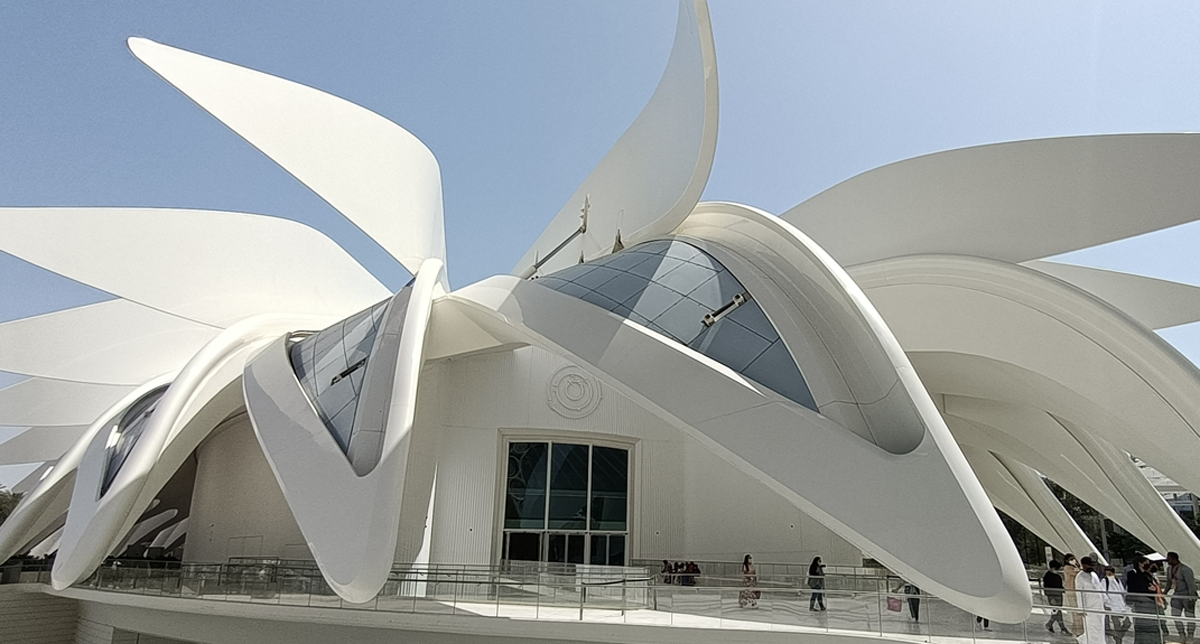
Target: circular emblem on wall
x,y
573,392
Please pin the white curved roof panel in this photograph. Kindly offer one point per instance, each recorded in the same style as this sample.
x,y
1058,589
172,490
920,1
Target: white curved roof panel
x,y
376,173
113,342
211,267
1156,303
1009,201
39,401
650,180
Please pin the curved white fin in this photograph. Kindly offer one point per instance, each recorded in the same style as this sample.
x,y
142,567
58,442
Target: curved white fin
x,y
654,174
349,518
1156,303
38,401
113,342
211,267
1009,201
40,444
199,398
799,454
1010,497
376,173
50,497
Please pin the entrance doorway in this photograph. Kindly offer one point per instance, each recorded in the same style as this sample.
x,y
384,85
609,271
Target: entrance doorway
x,y
566,503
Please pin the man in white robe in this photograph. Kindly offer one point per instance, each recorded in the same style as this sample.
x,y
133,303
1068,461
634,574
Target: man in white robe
x,y
1091,599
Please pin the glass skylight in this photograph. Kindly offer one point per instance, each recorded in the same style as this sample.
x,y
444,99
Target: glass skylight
x,y
678,290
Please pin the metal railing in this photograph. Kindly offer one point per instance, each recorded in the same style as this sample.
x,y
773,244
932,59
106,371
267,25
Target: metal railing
x,y
628,595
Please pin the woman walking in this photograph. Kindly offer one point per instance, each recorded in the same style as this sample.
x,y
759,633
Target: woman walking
x,y
748,598
816,581
1070,572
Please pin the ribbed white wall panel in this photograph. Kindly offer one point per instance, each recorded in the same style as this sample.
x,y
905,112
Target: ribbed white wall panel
x,y
465,501
730,514
685,501
237,499
30,617
661,505
91,632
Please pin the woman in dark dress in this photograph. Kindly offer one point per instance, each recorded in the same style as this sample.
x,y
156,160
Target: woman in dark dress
x,y
816,581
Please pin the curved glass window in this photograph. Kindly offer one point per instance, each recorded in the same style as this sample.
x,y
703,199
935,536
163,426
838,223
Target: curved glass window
x,y
332,365
680,291
125,435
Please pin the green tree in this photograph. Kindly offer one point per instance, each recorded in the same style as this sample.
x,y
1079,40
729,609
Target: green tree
x,y
8,501
1100,530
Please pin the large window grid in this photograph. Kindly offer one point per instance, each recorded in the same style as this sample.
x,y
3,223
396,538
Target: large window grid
x,y
566,503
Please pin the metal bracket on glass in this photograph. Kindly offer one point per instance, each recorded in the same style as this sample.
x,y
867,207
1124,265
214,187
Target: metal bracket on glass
x,y
349,370
583,216
715,316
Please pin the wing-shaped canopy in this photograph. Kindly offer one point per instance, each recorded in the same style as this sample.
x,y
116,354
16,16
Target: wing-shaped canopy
x,y
1009,201
204,393
344,480
1018,491
1156,303
653,176
211,267
1108,386
115,342
42,508
899,447
376,173
37,401
38,444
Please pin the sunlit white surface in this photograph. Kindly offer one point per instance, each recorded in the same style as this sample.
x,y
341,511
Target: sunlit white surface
x,y
1009,201
115,342
49,499
350,519
653,175
203,394
371,170
152,256
36,402
38,444
1156,303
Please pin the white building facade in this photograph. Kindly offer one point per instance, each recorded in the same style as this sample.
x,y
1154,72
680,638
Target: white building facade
x,y
867,375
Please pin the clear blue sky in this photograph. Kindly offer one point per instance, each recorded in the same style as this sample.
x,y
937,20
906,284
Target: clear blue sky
x,y
519,101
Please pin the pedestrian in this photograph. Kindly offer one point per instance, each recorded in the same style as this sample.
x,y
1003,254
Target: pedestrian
x,y
748,597
1160,601
1071,598
1140,597
1182,581
1091,599
666,572
1052,588
1114,602
816,581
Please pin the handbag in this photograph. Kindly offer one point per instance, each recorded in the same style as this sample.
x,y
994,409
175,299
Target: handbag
x,y
893,604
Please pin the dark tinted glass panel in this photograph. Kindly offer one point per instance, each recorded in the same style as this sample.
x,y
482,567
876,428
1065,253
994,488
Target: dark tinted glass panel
x,y
330,366
575,548
599,554
616,550
556,548
670,286
126,434
524,546
568,487
610,485
525,502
